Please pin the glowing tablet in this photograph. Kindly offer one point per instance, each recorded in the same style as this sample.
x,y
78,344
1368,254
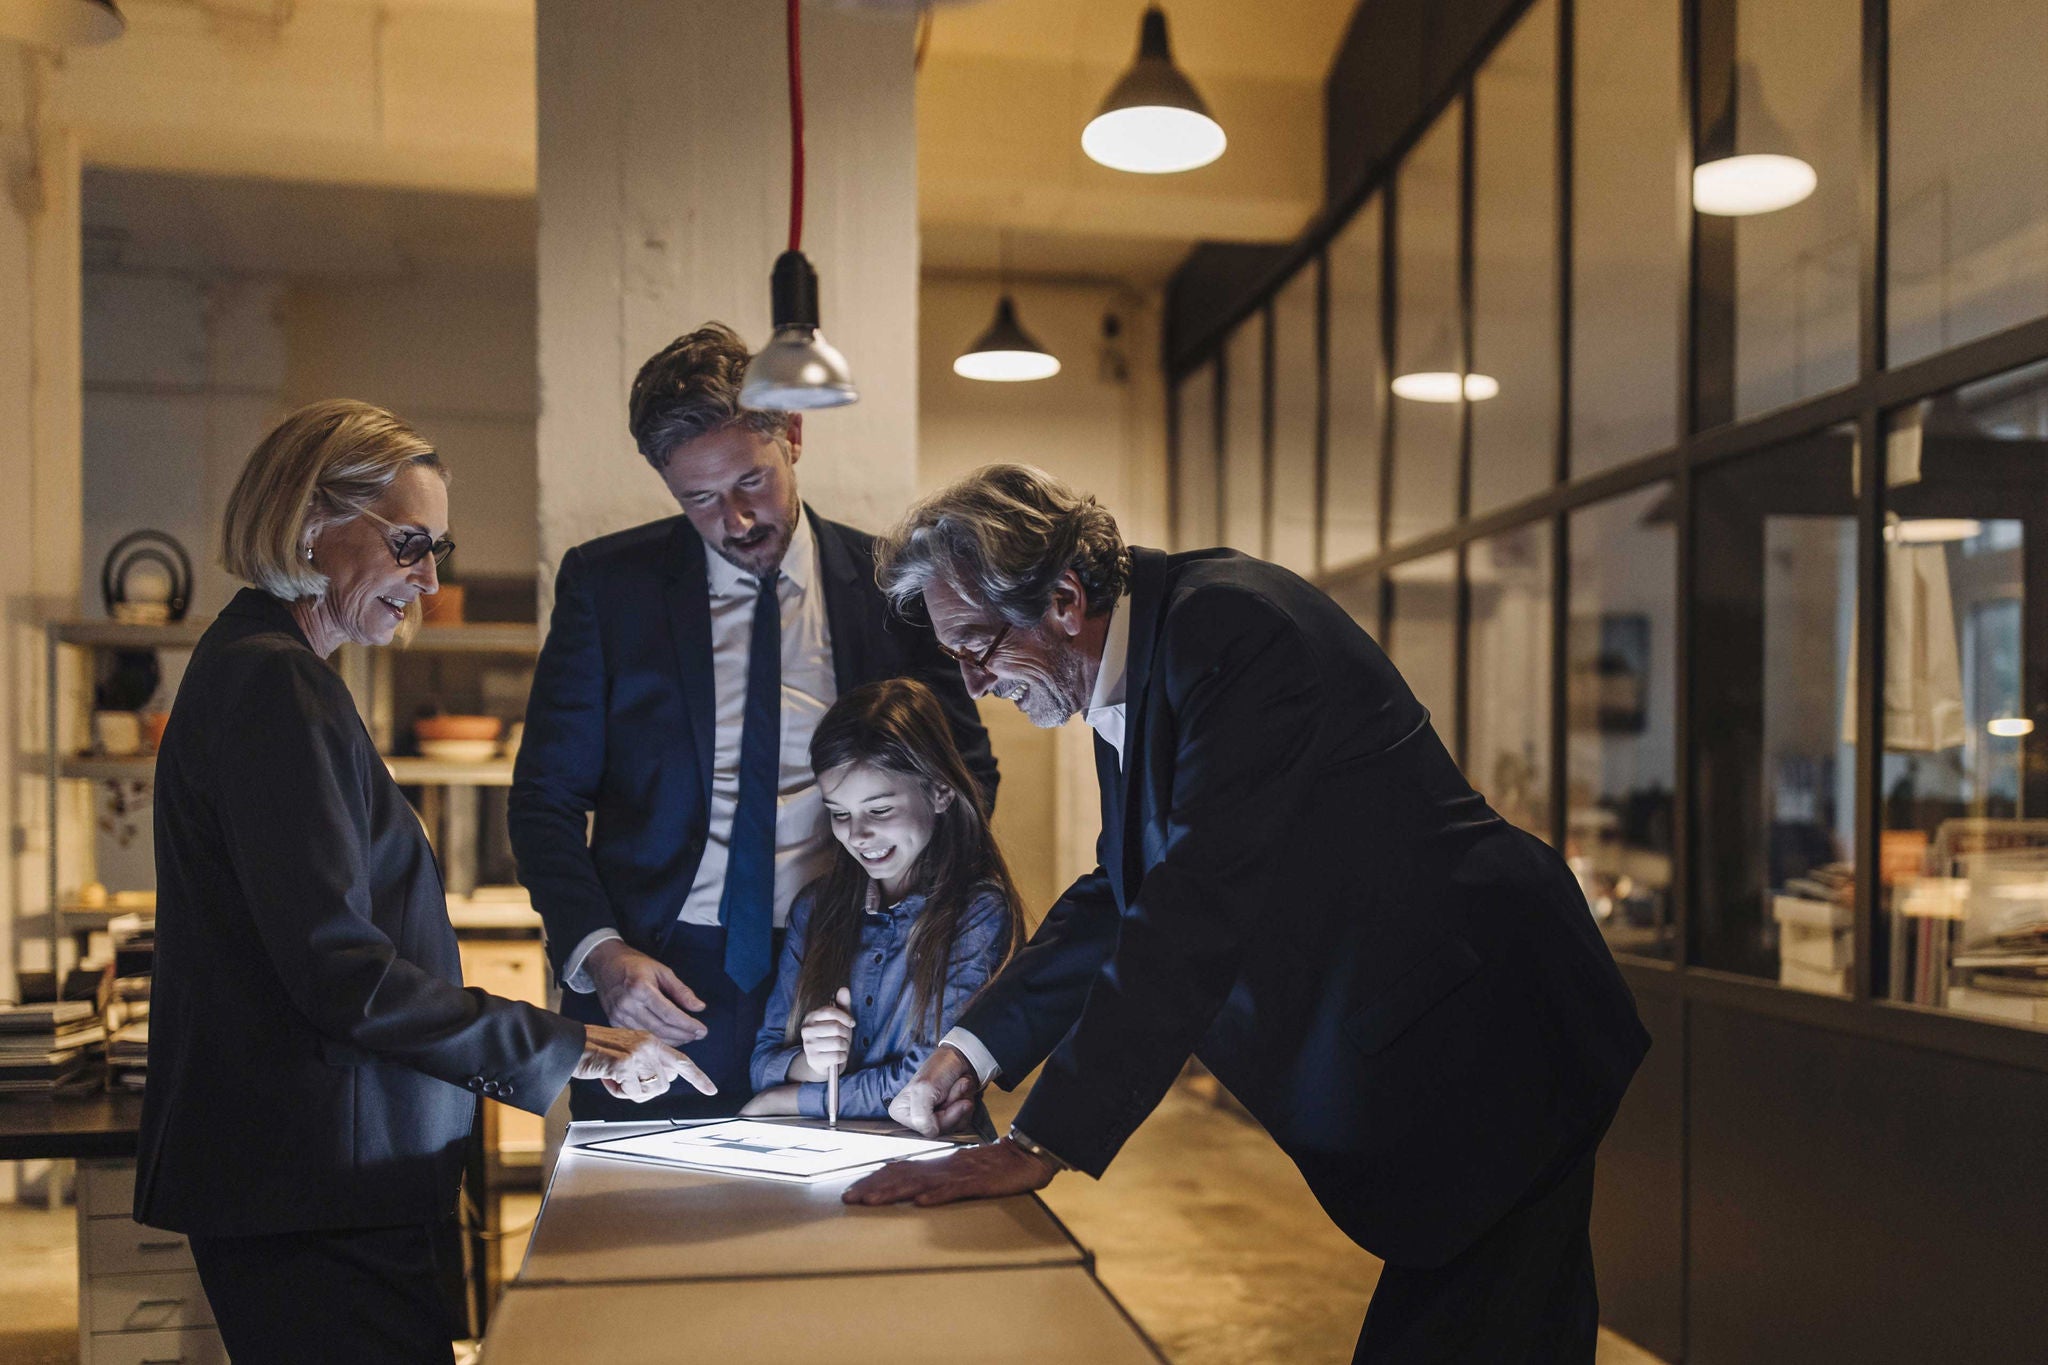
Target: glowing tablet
x,y
773,1151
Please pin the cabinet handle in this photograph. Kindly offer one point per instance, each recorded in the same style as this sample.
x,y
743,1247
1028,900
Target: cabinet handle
x,y
164,1360
160,1246
158,1303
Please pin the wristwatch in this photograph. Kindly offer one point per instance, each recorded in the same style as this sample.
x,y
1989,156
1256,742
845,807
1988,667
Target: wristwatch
x,y
1022,1143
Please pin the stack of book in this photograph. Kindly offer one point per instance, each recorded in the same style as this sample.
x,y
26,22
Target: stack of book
x,y
2001,984
47,1048
2004,973
134,942
128,1055
1814,915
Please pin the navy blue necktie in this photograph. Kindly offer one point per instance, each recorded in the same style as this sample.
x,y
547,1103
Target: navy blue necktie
x,y
746,907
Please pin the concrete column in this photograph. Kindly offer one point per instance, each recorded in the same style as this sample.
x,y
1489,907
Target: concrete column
x,y
663,190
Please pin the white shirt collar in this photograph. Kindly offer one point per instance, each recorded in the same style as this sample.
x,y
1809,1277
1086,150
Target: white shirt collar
x,y
1112,676
1105,711
798,563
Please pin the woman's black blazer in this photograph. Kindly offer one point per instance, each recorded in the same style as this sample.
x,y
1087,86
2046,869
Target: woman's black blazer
x,y
314,1061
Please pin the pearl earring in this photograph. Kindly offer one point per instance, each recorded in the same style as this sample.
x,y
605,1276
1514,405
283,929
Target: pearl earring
x,y
309,554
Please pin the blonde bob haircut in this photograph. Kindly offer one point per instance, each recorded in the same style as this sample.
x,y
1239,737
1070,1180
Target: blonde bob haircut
x,y
326,464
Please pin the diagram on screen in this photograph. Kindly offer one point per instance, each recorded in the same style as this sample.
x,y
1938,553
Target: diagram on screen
x,y
764,1146
776,1151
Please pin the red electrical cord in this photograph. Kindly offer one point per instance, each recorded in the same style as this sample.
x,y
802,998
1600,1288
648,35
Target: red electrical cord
x,y
796,132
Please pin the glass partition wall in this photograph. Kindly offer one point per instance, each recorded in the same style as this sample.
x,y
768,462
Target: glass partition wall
x,y
1706,510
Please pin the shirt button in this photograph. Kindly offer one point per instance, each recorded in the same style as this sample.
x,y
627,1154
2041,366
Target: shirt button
x,y
871,1000
878,957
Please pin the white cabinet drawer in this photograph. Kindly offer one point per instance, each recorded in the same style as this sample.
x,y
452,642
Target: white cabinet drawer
x,y
106,1189
148,1303
121,1246
199,1346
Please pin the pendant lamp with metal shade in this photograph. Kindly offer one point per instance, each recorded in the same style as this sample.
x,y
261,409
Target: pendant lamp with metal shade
x,y
1006,353
798,369
1153,122
58,24
1758,174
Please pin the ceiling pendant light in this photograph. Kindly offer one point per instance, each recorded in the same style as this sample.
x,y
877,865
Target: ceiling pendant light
x,y
1153,122
1006,353
58,24
1759,176
798,369
1446,385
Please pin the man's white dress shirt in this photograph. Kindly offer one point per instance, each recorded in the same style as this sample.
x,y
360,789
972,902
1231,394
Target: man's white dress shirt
x,y
802,834
1105,715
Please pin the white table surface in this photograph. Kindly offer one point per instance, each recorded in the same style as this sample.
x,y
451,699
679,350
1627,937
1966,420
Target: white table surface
x,y
608,1220
1015,1316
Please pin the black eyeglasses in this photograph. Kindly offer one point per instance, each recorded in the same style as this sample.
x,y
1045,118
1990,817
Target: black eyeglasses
x,y
409,547
977,661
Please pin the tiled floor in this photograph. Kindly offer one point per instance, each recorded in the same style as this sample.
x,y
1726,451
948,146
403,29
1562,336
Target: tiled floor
x,y
1202,1228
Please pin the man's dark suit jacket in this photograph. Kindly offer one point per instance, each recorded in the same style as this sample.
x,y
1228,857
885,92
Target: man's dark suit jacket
x,y
314,1062
1298,886
621,716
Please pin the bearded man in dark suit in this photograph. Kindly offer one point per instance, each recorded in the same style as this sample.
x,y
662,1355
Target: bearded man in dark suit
x,y
1296,885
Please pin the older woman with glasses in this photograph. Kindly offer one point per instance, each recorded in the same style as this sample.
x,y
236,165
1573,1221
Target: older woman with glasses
x,y
315,1061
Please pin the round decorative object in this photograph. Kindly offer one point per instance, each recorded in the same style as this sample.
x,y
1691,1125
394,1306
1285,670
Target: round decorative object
x,y
147,579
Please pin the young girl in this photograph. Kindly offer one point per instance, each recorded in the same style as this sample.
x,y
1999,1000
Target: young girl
x,y
917,911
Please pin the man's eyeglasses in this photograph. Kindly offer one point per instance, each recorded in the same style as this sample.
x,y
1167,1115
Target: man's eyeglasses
x,y
979,662
409,547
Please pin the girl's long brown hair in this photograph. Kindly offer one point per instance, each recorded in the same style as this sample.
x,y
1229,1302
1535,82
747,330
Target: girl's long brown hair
x,y
896,725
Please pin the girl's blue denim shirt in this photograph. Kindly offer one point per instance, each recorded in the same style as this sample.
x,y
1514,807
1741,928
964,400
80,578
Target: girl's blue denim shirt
x,y
887,1048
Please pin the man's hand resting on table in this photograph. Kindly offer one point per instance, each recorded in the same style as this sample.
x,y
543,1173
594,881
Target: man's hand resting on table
x,y
639,992
988,1172
940,1097
634,1065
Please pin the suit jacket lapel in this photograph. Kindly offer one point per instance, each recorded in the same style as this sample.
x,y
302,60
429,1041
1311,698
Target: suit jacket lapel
x,y
1111,783
689,618
1145,603
844,574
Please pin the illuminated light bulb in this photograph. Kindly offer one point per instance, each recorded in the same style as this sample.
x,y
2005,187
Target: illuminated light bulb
x,y
1153,139
1739,186
1006,367
1442,386
2010,727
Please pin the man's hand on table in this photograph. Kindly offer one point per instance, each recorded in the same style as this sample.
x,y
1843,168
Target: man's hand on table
x,y
988,1172
940,1097
640,992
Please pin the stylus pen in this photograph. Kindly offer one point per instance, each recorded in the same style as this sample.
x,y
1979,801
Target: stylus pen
x,y
832,1096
